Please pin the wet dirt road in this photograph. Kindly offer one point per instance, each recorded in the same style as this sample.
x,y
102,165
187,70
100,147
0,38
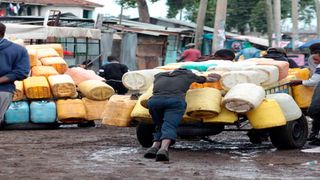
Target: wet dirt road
x,y
114,153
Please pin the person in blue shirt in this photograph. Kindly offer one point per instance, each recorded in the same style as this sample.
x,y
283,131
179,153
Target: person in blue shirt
x,y
14,65
250,52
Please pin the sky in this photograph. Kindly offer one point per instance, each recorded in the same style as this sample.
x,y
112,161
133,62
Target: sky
x,y
158,9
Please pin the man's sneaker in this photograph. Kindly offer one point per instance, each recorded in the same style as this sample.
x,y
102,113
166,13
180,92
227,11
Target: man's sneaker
x,y
162,155
315,142
151,153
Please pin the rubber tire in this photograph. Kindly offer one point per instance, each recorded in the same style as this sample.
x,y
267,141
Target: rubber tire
x,y
144,133
291,136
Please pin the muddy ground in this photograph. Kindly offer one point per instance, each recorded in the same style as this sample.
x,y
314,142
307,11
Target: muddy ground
x,y
106,152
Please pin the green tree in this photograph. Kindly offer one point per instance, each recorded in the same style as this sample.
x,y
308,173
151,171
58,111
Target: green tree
x,y
175,6
241,13
130,3
127,3
258,18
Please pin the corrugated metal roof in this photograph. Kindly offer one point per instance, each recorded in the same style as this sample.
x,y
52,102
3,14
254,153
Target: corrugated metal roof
x,y
43,32
252,39
150,27
192,25
81,3
140,31
157,30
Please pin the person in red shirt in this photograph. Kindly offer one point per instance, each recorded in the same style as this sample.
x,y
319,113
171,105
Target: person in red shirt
x,y
191,54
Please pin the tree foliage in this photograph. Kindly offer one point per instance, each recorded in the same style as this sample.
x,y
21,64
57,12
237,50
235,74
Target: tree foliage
x,y
130,3
241,14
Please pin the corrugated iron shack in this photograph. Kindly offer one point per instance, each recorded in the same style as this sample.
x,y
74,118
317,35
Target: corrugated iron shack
x,y
146,46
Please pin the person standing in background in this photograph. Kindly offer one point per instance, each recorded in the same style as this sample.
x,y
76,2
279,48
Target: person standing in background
x,y
113,72
191,54
14,65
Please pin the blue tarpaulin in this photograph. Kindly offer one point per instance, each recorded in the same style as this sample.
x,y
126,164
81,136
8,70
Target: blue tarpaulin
x,y
309,43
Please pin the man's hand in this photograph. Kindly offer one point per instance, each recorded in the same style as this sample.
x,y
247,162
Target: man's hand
x,y
212,77
4,79
295,82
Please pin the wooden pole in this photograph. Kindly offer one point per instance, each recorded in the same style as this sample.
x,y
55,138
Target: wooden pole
x,y
277,19
317,3
200,23
295,28
270,26
219,25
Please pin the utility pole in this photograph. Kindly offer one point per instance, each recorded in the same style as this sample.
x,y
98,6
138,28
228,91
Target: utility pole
x,y
200,23
219,25
295,28
270,21
317,3
277,19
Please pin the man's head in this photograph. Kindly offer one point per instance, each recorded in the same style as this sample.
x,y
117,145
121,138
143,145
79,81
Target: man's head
x,y
190,45
316,58
315,48
224,54
315,52
2,30
112,58
279,50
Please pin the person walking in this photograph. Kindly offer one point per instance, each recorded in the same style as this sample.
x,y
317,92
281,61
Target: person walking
x,y
191,54
167,107
14,65
113,72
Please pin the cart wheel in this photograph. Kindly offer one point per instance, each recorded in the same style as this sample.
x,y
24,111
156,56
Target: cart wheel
x,y
291,136
144,134
87,124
